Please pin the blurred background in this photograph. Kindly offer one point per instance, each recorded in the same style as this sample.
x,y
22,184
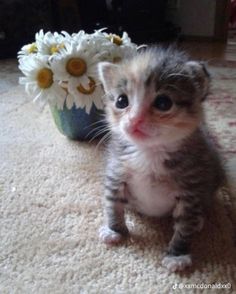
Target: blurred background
x,y
146,21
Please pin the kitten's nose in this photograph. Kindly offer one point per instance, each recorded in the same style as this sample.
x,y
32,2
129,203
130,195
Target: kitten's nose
x,y
136,126
136,122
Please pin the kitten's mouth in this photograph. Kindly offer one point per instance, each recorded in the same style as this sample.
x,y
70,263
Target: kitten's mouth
x,y
138,134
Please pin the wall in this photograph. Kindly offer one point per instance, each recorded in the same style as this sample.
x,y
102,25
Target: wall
x,y
195,17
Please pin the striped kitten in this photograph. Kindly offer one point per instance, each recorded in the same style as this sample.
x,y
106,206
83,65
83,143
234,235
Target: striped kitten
x,y
160,161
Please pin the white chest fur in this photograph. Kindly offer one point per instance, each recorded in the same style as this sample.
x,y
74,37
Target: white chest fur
x,y
151,190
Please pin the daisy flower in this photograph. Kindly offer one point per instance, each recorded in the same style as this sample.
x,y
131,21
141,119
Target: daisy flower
x,y
91,42
49,43
62,69
119,47
76,67
76,38
27,50
39,81
74,64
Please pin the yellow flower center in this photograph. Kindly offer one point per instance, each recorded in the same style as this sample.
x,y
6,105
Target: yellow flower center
x,y
55,48
89,90
76,67
45,78
33,48
115,39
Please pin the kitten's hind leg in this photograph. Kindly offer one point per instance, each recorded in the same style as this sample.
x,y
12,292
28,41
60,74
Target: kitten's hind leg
x,y
188,220
115,229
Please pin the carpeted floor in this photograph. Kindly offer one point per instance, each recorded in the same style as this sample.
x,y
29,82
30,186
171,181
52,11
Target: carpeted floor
x,y
51,209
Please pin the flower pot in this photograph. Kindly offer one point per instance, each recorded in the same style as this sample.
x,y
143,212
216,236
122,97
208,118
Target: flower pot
x,y
77,124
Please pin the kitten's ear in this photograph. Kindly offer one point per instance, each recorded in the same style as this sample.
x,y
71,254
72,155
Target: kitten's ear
x,y
201,76
107,72
198,68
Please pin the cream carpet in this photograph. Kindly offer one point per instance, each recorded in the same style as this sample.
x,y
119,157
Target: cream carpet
x,y
51,209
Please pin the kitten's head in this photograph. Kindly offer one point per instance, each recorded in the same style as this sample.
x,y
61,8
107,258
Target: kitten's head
x,y
155,97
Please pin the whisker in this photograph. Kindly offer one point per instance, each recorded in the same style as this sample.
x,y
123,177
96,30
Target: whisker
x,y
95,130
102,131
98,134
95,123
104,139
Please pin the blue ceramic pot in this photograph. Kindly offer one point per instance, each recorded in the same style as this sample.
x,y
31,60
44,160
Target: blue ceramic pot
x,y
76,124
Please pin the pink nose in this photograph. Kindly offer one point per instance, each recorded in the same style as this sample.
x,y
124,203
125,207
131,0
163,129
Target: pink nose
x,y
136,122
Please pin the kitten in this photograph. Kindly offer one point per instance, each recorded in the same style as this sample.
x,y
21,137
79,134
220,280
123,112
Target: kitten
x,y
160,161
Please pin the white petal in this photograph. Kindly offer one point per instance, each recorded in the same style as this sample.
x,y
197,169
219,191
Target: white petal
x,y
69,101
84,80
39,96
23,80
88,106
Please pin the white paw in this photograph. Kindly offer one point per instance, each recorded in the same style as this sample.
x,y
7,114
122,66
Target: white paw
x,y
109,236
177,263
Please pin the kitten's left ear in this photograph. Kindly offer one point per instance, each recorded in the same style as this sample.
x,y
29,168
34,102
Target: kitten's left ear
x,y
201,77
107,72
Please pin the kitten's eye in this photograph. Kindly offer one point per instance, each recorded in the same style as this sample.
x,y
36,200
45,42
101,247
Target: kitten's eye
x,y
122,101
163,102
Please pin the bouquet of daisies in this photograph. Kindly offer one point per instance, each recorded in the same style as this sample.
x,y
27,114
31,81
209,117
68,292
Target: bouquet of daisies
x,y
61,69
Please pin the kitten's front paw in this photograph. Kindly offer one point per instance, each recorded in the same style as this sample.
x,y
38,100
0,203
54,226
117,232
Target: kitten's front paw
x,y
177,263
109,236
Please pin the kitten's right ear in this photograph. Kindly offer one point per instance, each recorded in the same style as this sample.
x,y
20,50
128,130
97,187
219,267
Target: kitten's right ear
x,y
201,77
107,72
